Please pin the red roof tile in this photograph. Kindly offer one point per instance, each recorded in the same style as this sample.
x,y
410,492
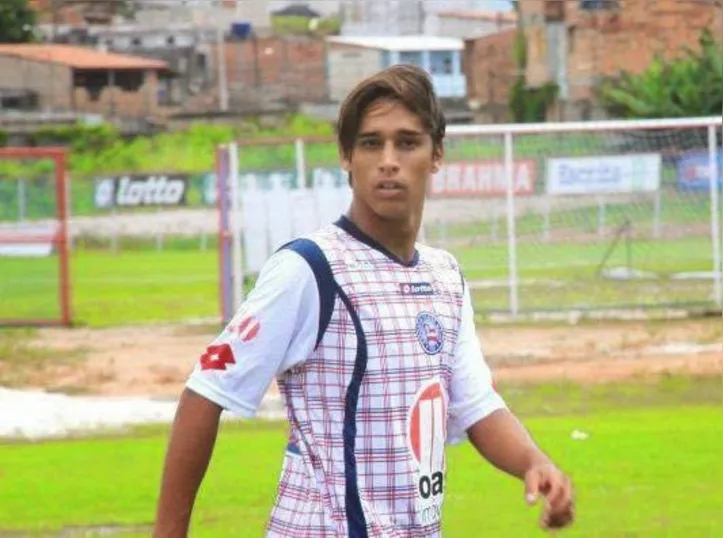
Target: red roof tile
x,y
79,57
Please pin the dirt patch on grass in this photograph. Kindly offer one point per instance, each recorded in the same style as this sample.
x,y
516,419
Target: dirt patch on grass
x,y
155,361
27,359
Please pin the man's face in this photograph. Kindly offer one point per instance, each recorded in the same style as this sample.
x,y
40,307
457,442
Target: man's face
x,y
391,162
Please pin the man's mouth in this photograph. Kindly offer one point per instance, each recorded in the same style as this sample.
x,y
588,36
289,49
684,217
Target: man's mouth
x,y
390,185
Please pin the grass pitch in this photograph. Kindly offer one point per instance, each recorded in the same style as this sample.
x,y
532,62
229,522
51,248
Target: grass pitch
x,y
650,466
180,283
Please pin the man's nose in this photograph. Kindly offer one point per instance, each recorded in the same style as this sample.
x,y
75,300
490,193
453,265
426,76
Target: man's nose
x,y
389,162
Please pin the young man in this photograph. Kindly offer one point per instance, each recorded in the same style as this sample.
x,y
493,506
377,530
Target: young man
x,y
372,341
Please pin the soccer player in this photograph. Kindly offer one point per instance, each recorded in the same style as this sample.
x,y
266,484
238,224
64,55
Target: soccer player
x,y
372,341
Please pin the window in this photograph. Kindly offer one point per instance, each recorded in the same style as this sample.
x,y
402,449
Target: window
x,y
595,5
411,57
441,62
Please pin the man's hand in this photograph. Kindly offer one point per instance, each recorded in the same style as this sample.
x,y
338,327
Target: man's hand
x,y
547,480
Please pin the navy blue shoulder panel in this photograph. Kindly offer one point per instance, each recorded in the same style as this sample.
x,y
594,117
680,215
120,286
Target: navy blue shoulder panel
x,y
316,259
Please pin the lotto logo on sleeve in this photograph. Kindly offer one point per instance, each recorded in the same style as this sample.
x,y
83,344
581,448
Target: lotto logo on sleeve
x,y
426,435
217,357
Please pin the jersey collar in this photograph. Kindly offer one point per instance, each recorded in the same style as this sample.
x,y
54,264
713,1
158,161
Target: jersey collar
x,y
352,229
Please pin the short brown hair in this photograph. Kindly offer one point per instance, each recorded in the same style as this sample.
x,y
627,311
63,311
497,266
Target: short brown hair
x,y
407,84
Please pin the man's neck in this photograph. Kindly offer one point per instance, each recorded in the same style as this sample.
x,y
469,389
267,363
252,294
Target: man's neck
x,y
398,237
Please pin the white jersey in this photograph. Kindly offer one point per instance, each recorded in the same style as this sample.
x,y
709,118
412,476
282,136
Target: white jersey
x,y
379,366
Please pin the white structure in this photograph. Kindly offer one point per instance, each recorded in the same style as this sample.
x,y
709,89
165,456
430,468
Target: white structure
x,y
220,13
404,17
470,24
350,59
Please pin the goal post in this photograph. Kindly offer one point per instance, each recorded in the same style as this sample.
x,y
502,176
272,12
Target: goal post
x,y
34,244
550,218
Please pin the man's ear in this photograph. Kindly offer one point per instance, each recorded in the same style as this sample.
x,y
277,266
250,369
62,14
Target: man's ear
x,y
437,157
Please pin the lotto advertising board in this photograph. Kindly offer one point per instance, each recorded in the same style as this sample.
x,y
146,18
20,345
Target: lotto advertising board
x,y
136,190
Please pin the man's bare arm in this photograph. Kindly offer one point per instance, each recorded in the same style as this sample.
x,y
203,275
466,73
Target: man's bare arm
x,y
505,443
189,452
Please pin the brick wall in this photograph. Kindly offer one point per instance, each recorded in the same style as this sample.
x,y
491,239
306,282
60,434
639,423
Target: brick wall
x,y
608,43
115,101
489,66
51,81
288,68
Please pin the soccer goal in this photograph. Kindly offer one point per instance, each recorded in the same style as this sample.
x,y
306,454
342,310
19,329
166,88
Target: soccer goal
x,y
596,216
34,260
268,196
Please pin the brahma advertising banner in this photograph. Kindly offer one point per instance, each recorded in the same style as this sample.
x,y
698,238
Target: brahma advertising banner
x,y
482,179
694,170
604,174
136,190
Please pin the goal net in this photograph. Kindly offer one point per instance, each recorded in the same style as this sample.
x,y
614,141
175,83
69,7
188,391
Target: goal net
x,y
545,219
34,264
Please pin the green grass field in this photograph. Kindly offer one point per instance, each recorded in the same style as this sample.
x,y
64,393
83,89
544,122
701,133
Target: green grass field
x,y
139,286
649,467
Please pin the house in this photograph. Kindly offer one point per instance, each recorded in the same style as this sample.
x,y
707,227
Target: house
x,y
470,24
404,17
255,14
262,72
576,43
491,70
79,12
350,59
79,79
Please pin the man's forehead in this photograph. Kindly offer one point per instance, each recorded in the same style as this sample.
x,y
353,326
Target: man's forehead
x,y
390,116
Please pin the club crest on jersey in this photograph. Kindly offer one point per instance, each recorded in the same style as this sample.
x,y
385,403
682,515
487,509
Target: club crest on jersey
x,y
426,436
429,333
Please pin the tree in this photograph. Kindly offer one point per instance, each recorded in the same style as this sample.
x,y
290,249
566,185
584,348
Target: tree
x,y
17,21
691,85
528,105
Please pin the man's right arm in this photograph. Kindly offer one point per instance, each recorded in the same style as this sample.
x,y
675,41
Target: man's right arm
x,y
189,452
275,329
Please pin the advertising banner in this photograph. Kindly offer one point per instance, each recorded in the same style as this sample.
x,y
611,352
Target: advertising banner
x,y
694,170
604,174
482,179
135,190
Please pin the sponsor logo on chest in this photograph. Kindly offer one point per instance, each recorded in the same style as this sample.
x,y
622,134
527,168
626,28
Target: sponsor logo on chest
x,y
426,434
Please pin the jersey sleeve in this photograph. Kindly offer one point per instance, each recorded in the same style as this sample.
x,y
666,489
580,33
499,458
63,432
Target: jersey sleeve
x,y
472,393
275,329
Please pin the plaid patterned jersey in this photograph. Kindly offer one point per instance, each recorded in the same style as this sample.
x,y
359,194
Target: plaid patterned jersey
x,y
379,366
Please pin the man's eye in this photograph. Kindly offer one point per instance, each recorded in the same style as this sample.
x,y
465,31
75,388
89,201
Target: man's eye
x,y
369,143
408,143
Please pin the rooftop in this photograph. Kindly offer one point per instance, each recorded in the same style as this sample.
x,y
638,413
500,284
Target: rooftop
x,y
400,43
79,57
480,15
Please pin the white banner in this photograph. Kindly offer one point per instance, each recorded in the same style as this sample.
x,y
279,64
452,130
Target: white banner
x,y
604,174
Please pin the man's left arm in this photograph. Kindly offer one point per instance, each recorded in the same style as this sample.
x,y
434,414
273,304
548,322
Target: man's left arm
x,y
480,412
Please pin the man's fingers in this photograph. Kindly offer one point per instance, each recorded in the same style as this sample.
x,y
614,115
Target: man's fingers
x,y
532,486
559,494
559,509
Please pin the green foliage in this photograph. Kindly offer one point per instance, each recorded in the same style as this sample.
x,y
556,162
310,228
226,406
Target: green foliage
x,y
293,25
17,21
529,105
691,85
79,138
4,137
102,150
